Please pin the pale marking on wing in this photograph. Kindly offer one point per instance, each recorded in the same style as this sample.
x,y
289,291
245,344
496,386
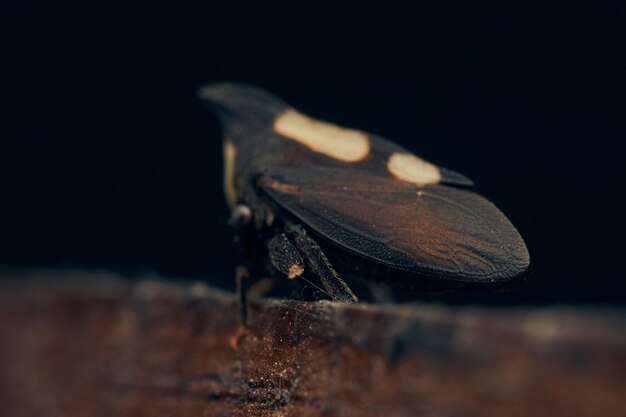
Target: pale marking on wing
x,y
230,153
340,143
408,167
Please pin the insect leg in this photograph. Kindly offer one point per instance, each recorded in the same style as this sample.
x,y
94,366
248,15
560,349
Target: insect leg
x,y
241,274
331,281
240,220
285,257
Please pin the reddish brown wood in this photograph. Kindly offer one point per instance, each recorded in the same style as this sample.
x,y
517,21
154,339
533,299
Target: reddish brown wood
x,y
92,345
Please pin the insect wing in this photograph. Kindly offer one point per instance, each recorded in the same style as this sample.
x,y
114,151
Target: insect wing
x,y
435,229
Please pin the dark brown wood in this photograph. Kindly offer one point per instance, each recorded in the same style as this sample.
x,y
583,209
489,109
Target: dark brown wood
x,y
78,344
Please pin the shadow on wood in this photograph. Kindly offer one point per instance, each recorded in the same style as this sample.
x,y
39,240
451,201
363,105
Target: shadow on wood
x,y
84,344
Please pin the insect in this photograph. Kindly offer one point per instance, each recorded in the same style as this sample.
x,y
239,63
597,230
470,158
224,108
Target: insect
x,y
291,181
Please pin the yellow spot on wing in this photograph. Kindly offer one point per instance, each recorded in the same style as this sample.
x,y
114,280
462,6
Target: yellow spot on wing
x,y
230,153
410,168
331,140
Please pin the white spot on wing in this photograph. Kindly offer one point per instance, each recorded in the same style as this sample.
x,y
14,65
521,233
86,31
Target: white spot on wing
x,y
230,153
331,140
410,168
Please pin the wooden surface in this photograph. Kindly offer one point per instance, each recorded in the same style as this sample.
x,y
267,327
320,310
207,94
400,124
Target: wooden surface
x,y
79,344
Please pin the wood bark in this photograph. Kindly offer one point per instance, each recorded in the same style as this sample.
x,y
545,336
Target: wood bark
x,y
87,344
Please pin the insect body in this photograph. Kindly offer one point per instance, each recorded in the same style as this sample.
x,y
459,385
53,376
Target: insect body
x,y
289,177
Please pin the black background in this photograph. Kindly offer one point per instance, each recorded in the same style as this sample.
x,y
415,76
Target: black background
x,y
108,162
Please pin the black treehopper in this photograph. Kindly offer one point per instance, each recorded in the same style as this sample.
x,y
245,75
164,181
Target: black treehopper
x,y
289,178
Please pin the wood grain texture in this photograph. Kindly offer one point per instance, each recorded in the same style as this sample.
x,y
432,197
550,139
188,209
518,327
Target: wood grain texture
x,y
79,344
